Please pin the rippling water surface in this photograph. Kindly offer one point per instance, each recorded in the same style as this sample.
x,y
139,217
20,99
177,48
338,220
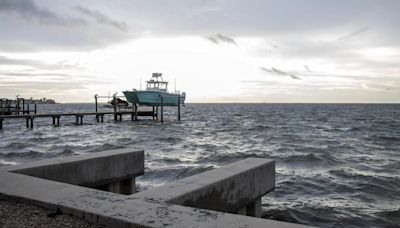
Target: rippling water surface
x,y
337,165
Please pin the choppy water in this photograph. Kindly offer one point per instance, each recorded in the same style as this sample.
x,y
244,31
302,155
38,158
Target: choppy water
x,y
337,165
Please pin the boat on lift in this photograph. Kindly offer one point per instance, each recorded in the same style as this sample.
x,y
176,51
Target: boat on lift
x,y
156,89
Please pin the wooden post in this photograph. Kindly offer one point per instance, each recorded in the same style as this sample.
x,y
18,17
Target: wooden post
x,y
102,118
77,119
27,122
120,117
23,106
8,106
28,108
95,100
58,121
35,109
81,117
1,123
136,112
154,114
157,112
32,121
17,107
54,120
115,108
162,109
179,108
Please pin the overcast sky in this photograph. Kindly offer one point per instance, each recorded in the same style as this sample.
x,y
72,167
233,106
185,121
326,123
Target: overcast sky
x,y
217,50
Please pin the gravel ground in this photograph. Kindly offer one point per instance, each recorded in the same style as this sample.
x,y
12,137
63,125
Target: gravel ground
x,y
20,215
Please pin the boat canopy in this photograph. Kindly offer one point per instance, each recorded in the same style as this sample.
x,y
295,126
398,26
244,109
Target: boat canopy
x,y
156,83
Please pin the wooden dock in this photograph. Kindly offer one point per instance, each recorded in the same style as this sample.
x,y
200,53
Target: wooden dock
x,y
134,113
78,116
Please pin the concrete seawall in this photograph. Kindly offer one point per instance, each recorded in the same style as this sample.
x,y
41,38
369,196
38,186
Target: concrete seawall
x,y
202,200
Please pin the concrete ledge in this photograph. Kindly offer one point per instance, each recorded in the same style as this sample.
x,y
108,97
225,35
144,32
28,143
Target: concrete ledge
x,y
227,189
89,170
247,180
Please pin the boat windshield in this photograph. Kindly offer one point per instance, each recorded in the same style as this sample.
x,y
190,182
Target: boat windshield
x,y
156,85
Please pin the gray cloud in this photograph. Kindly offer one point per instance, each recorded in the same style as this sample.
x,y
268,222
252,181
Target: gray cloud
x,y
28,10
101,18
280,72
358,32
219,38
29,74
6,61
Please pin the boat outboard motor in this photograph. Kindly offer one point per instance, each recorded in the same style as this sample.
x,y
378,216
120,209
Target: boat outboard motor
x,y
183,97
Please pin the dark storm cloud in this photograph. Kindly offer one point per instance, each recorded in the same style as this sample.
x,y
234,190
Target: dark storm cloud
x,y
30,26
28,10
88,29
101,18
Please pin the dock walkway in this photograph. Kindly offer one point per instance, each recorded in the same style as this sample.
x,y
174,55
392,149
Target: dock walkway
x,y
78,115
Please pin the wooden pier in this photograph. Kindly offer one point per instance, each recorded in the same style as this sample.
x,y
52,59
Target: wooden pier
x,y
78,117
133,112
16,107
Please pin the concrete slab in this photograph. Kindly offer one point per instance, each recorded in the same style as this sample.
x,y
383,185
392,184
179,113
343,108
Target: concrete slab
x,y
87,170
156,208
226,189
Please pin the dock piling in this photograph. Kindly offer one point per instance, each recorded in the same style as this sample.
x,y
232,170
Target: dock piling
x,y
79,119
179,108
29,122
136,112
157,112
95,100
1,123
162,109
